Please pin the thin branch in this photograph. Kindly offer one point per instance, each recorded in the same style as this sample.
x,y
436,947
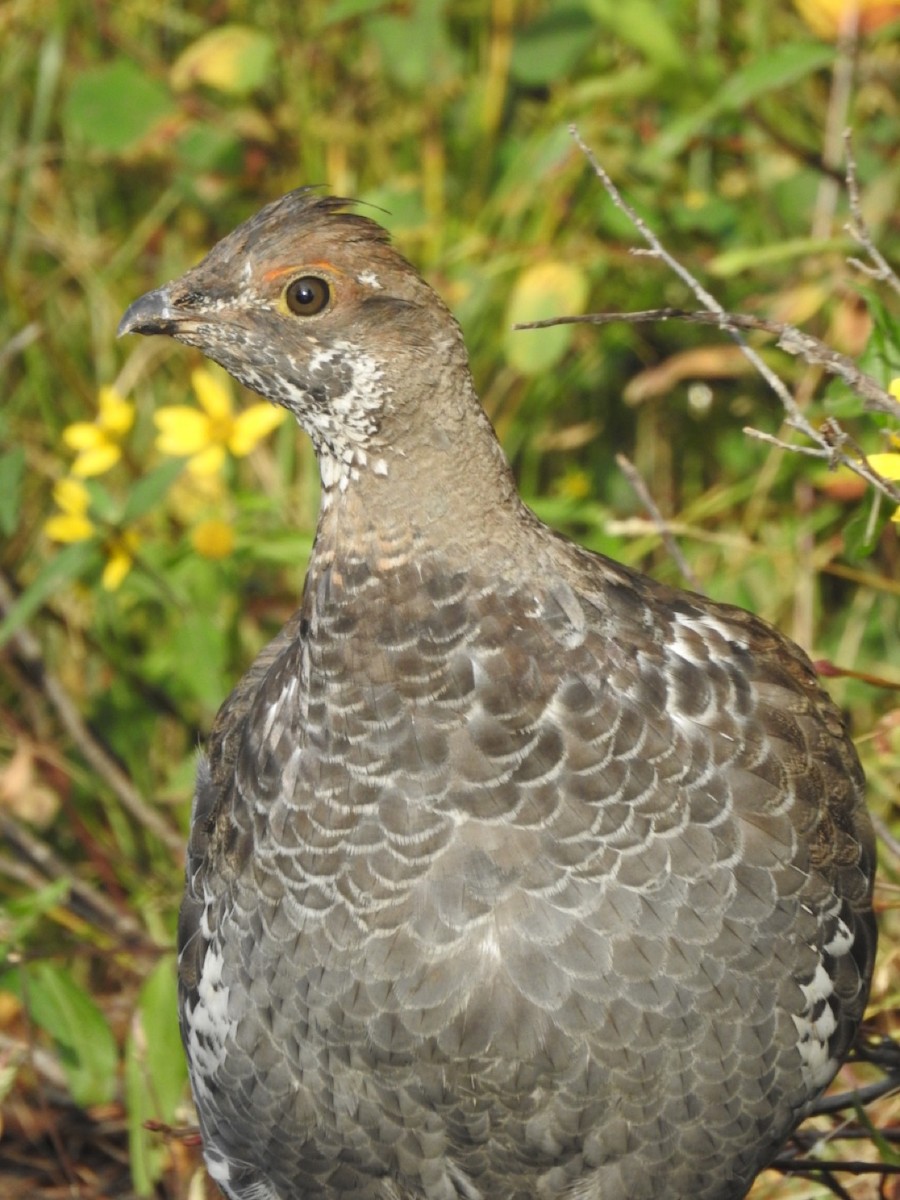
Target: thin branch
x,y
809,451
796,1165
633,476
858,1097
886,835
790,339
709,302
42,1061
834,458
48,867
830,437
95,754
19,341
859,230
832,1184
835,119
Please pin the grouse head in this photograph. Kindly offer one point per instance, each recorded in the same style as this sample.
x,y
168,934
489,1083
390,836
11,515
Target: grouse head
x,y
308,305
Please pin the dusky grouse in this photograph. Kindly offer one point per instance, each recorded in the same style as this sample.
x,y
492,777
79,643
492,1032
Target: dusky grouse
x,y
513,874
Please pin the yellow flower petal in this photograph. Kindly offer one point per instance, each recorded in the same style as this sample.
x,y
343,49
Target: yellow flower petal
x,y
96,461
68,527
894,388
182,430
252,425
208,461
116,414
120,550
117,567
71,496
83,435
887,465
212,394
213,539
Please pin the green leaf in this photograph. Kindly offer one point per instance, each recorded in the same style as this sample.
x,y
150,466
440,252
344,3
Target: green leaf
x,y
22,914
548,289
233,59
86,1047
70,563
155,1072
12,472
283,547
344,10
642,25
416,49
113,106
150,489
881,356
781,66
840,400
862,532
199,646
546,50
744,258
206,147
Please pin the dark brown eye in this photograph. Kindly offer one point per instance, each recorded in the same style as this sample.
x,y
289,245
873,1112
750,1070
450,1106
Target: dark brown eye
x,y
307,295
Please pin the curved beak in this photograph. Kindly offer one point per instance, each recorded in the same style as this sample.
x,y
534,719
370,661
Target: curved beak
x,y
151,313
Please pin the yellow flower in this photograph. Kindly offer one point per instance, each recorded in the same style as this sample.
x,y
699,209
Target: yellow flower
x,y
203,435
575,485
73,524
888,467
213,538
96,442
120,548
828,18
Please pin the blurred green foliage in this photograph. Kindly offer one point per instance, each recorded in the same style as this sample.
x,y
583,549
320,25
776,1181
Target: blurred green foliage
x,y
133,135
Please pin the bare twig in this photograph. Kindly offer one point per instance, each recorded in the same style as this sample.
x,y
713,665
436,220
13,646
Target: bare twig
x,y
886,835
790,339
802,1165
633,476
858,1097
859,230
795,417
19,341
830,438
39,866
809,451
824,438
95,754
835,119
42,1061
826,1181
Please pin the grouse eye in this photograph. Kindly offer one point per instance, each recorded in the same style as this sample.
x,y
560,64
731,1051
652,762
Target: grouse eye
x,y
307,295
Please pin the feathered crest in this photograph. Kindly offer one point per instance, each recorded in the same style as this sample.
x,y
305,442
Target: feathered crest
x,y
300,212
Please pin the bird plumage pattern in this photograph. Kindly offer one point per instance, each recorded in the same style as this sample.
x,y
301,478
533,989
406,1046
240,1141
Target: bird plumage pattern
x,y
513,873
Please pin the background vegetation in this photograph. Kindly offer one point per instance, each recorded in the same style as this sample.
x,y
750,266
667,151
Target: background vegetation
x,y
132,136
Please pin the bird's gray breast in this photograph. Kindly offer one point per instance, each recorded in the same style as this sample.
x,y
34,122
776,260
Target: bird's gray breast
x,y
470,844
